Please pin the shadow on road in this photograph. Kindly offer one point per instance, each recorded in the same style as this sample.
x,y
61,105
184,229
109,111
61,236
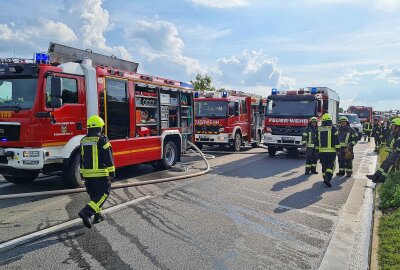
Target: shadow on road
x,y
290,182
307,197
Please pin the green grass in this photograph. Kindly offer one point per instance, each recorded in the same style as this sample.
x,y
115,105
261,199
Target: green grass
x,y
389,225
389,241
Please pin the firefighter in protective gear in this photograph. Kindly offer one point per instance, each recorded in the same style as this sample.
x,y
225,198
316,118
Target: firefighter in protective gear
x,y
328,147
310,142
97,169
377,133
348,139
367,128
393,147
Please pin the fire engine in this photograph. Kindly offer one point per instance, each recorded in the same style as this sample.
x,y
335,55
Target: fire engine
x,y
231,118
362,112
44,106
288,113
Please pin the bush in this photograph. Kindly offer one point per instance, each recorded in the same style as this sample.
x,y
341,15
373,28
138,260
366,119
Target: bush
x,y
389,192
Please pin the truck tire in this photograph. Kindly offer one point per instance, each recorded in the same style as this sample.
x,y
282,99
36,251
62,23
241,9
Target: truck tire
x,y
272,151
258,140
170,157
22,177
71,175
237,142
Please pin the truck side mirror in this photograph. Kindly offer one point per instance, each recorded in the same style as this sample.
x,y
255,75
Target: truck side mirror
x,y
56,92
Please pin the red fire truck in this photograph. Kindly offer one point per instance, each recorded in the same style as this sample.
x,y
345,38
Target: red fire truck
x,y
362,112
229,118
44,107
288,113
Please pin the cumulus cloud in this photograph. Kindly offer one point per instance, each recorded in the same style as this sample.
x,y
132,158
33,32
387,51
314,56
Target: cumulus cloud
x,y
5,32
221,3
249,68
94,22
354,77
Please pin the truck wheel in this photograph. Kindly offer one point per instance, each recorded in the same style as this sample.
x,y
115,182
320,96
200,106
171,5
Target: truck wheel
x,y
170,156
237,143
71,175
271,151
258,140
22,177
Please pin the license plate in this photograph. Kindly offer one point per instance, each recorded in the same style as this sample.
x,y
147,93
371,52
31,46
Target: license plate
x,y
287,138
203,136
2,152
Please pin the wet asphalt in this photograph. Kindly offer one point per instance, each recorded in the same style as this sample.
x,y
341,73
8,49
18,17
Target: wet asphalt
x,y
250,212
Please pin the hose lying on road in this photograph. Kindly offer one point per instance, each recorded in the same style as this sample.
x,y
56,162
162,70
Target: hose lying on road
x,y
114,186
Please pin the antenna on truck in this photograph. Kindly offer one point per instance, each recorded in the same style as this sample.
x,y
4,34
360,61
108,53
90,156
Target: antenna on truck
x,y
61,54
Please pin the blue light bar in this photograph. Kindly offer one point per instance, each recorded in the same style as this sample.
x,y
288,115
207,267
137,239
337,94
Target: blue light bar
x,y
313,90
196,94
41,58
274,91
224,94
4,139
187,85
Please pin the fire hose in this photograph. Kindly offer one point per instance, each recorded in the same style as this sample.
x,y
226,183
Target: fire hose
x,y
116,185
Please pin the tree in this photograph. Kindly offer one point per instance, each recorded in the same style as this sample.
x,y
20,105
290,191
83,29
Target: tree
x,y
203,83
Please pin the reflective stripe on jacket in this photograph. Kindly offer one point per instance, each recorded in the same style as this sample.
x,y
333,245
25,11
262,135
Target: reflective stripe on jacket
x,y
328,139
96,157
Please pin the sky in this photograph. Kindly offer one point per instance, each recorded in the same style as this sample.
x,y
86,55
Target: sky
x,y
249,45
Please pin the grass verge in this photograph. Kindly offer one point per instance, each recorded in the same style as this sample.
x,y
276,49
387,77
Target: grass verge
x,y
389,226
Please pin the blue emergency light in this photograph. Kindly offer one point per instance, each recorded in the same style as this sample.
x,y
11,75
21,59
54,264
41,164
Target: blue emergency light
x,y
274,91
41,58
314,90
4,139
196,94
224,94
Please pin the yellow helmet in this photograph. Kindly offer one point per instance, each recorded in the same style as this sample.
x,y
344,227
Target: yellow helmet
x,y
326,117
95,121
396,121
343,118
313,119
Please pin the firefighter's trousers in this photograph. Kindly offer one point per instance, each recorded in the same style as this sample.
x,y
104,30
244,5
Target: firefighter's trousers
x,y
386,166
367,134
311,159
328,161
345,165
98,190
377,142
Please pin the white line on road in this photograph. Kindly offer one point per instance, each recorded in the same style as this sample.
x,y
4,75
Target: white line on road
x,y
30,237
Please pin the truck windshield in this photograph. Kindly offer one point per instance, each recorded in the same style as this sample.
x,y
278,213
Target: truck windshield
x,y
291,107
211,109
363,113
18,94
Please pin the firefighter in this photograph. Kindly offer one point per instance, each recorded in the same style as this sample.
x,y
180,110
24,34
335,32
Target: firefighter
x,y
367,128
310,142
376,133
328,147
97,169
348,138
393,147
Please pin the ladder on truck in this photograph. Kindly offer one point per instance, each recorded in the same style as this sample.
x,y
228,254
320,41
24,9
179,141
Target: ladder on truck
x,y
61,54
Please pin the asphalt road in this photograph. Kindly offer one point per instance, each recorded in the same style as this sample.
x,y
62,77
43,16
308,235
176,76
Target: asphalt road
x,y
250,212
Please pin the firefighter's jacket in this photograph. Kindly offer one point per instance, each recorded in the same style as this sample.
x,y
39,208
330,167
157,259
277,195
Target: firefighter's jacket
x,y
310,137
328,138
96,156
347,136
376,131
393,146
385,133
367,127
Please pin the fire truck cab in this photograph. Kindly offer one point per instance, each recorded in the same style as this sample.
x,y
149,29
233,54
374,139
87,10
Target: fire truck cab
x,y
229,118
44,108
362,112
288,114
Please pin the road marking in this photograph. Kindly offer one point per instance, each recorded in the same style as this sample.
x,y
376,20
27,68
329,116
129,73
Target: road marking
x,y
30,237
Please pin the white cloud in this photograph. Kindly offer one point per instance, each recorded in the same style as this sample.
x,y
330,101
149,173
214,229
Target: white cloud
x,y
49,29
93,21
5,32
249,68
353,77
221,3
